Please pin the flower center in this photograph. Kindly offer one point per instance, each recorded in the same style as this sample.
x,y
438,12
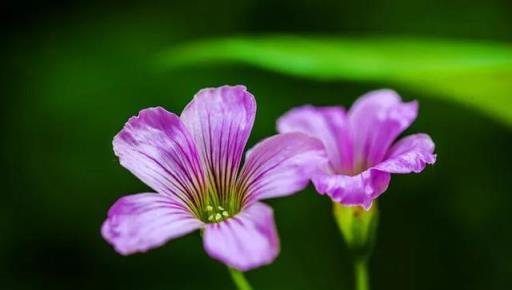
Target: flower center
x,y
358,168
219,203
216,214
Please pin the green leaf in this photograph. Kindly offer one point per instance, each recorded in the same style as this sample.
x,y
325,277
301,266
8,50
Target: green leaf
x,y
470,73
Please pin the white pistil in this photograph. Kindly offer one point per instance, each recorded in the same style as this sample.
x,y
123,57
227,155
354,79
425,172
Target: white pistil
x,y
210,218
220,208
225,213
218,217
209,208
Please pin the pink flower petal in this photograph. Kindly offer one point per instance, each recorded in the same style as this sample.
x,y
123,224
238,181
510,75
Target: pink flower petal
x,y
220,121
328,124
280,165
246,241
410,154
156,147
376,120
360,189
140,222
359,145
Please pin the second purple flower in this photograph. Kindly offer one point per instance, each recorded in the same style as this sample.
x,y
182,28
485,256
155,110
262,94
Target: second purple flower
x,y
360,145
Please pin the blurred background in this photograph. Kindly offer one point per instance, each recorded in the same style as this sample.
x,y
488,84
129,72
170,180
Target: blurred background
x,y
73,73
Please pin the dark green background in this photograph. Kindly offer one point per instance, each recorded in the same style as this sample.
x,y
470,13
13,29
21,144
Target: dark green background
x,y
72,75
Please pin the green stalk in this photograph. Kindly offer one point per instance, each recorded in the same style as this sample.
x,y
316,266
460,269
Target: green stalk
x,y
239,279
361,274
358,227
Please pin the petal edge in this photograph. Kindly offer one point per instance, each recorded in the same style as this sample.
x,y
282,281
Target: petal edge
x,y
140,222
280,165
358,190
410,154
328,124
220,121
245,241
157,148
376,120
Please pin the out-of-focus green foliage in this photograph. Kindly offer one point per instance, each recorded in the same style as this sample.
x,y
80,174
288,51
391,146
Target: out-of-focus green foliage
x,y
471,73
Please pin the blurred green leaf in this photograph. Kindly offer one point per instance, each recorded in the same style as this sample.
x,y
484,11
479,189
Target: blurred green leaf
x,y
471,73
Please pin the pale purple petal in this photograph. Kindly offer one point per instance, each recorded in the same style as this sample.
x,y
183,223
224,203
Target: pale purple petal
x,y
411,154
246,241
156,147
360,189
280,165
330,125
220,121
376,120
140,222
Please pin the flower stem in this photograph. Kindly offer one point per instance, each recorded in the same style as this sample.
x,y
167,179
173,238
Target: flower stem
x,y
361,274
358,227
239,279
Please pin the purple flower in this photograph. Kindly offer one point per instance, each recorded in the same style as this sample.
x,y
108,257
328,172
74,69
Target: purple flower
x,y
359,145
193,163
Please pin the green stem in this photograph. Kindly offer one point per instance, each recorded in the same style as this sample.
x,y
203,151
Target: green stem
x,y
361,274
239,279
